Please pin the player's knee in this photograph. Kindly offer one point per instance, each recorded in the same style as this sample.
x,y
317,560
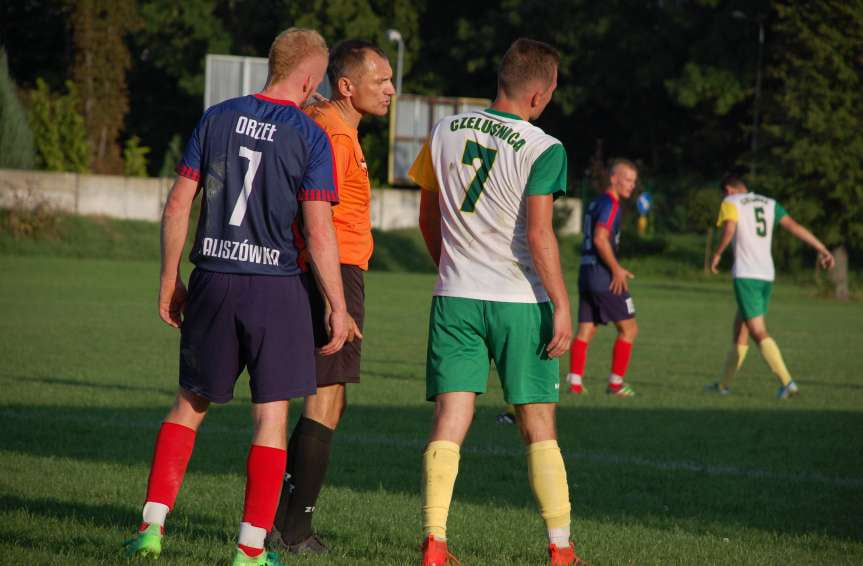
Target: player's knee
x,y
760,336
629,332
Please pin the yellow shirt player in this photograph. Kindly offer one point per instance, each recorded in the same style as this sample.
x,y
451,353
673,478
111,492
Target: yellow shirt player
x,y
748,220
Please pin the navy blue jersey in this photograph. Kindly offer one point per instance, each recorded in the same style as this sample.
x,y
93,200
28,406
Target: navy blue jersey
x,y
256,158
603,211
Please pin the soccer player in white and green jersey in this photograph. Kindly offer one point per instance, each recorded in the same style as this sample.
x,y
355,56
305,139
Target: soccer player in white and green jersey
x,y
489,179
748,220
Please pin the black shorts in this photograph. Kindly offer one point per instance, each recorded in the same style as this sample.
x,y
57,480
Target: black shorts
x,y
596,303
259,322
344,365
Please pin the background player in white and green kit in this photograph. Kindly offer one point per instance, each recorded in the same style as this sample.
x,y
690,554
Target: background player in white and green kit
x,y
748,220
489,179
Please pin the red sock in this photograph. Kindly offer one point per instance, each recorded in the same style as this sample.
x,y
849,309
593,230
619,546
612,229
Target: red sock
x,y
265,473
620,358
577,356
250,552
174,445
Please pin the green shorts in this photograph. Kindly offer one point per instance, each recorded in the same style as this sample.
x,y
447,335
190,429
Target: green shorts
x,y
753,296
465,334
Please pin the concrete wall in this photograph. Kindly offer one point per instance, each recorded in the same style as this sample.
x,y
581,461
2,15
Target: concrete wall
x,y
137,198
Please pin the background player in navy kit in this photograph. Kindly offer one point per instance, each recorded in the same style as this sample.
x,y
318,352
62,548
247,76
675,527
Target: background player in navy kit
x,y
257,160
603,290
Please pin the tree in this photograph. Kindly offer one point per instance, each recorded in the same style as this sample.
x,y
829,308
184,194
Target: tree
x,y
16,138
665,83
59,132
135,158
814,122
101,61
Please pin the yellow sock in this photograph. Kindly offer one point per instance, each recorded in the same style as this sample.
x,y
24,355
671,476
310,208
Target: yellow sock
x,y
733,362
547,476
440,468
773,357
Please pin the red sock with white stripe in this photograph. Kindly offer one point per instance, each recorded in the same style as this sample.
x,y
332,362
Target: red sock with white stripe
x,y
265,470
578,356
577,362
619,363
174,444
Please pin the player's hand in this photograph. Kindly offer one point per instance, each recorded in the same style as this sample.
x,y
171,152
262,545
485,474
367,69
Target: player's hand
x,y
826,260
714,264
353,330
562,338
618,281
172,301
339,325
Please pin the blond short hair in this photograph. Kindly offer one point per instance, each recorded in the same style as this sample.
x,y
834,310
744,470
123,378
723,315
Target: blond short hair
x,y
527,61
622,162
290,49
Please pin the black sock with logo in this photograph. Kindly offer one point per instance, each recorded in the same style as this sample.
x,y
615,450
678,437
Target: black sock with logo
x,y
308,458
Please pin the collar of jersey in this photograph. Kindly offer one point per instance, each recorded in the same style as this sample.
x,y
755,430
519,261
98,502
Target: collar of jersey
x,y
502,114
275,100
613,196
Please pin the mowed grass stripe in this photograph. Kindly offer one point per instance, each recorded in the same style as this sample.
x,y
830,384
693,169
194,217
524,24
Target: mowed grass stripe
x,y
415,446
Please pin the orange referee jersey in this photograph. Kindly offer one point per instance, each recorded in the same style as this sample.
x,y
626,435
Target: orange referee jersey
x,y
352,216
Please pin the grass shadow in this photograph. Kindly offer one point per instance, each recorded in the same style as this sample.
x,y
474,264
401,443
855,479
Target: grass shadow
x,y
770,470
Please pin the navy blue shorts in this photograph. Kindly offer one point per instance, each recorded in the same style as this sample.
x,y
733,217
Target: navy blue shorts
x,y
596,303
259,322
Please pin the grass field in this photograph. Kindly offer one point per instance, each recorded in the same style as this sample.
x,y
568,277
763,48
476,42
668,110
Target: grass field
x,y
673,476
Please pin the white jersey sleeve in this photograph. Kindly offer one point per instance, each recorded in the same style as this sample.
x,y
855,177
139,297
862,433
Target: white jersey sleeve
x,y
485,163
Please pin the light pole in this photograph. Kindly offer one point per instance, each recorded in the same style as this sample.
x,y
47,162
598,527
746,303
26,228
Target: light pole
x,y
395,35
760,21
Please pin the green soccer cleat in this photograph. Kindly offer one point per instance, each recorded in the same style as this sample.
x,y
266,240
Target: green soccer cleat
x,y
622,391
263,559
147,543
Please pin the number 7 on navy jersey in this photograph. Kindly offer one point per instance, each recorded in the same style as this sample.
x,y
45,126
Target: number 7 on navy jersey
x,y
239,212
486,156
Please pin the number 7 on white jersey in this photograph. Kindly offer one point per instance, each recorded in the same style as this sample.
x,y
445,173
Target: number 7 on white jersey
x,y
239,212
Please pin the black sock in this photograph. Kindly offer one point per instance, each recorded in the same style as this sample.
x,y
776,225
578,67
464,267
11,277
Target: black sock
x,y
308,457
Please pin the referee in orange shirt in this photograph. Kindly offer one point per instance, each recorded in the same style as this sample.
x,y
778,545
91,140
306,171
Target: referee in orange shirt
x,y
361,80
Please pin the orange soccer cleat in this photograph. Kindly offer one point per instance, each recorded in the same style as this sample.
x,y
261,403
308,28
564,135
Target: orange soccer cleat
x,y
564,556
436,553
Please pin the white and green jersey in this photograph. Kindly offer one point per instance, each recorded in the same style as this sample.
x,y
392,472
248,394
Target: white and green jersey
x,y
756,216
484,165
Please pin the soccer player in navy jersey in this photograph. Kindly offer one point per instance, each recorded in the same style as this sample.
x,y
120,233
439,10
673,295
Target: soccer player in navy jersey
x,y
258,162
603,288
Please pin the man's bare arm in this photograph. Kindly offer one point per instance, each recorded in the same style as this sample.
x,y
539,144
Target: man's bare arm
x,y
175,227
430,223
324,251
546,260
602,243
729,228
825,258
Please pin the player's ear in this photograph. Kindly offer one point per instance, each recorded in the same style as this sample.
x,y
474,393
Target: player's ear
x,y
307,86
345,86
